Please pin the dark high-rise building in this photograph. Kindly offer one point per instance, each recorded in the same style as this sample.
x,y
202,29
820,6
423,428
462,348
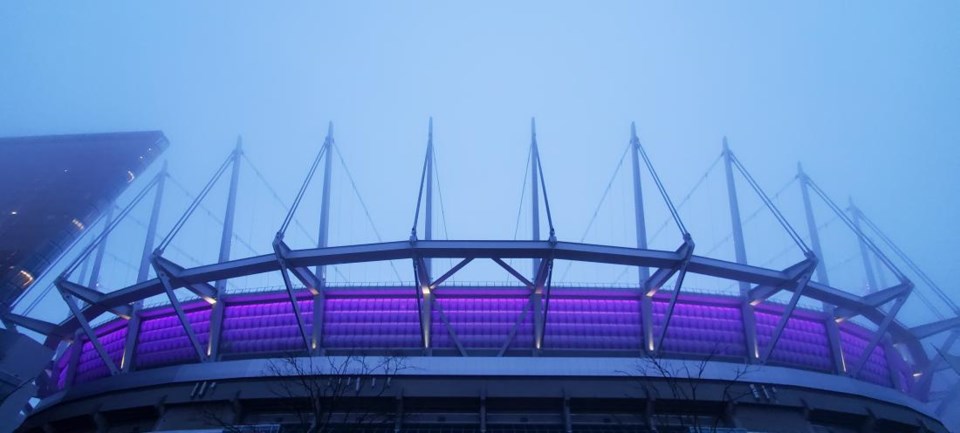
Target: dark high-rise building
x,y
54,187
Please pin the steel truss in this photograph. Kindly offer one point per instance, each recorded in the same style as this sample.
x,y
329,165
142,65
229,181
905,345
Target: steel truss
x,y
307,267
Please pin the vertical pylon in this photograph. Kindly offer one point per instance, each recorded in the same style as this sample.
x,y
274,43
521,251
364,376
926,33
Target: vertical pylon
x,y
864,250
740,250
428,209
421,265
226,242
323,241
641,227
133,326
148,242
226,236
812,224
746,310
534,188
323,236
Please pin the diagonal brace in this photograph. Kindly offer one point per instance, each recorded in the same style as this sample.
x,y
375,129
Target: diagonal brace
x,y
168,287
687,250
931,329
450,272
37,325
876,299
88,330
450,331
801,284
92,296
662,275
288,285
881,331
514,272
173,271
793,275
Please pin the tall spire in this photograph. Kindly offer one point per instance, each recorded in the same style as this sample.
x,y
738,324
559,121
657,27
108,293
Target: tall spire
x,y
535,187
641,227
428,210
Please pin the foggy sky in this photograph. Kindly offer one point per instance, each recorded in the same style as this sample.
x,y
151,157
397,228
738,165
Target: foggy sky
x,y
864,94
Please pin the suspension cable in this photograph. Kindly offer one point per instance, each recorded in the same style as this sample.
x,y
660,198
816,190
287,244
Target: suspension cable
x,y
363,205
196,202
596,211
663,191
423,179
687,197
306,182
863,237
604,195
546,200
523,191
910,263
773,209
275,195
443,213
213,216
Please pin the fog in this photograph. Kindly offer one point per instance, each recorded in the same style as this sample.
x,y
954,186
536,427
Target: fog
x,y
864,95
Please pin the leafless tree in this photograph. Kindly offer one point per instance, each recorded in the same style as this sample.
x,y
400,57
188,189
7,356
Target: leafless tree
x,y
699,404
332,389
332,393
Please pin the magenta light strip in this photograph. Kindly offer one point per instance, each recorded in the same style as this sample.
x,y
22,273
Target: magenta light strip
x,y
264,325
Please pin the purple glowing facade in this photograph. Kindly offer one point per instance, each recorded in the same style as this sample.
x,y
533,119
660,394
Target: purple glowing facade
x,y
604,323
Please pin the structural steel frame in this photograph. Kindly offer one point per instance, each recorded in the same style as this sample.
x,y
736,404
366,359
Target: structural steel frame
x,y
756,283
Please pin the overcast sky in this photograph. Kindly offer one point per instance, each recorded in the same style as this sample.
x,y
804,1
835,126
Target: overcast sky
x,y
865,94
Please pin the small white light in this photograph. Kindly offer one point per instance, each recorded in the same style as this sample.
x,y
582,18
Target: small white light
x,y
210,300
918,374
13,212
130,176
79,225
27,278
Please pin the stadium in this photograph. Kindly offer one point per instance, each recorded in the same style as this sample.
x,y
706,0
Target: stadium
x,y
786,352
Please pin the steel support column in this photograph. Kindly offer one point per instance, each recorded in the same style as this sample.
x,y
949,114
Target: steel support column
x,y
226,242
425,303
127,363
867,262
812,225
428,209
833,332
639,222
94,280
833,337
146,256
534,189
749,320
